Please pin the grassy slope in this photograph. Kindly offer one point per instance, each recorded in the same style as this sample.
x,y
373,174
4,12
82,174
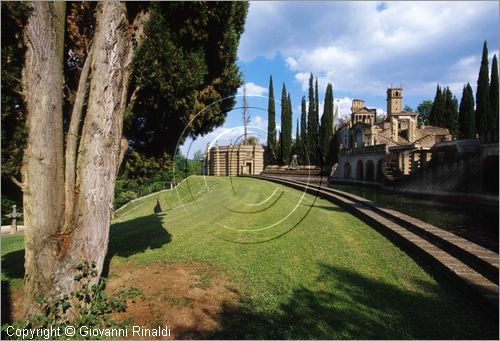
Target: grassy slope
x,y
320,273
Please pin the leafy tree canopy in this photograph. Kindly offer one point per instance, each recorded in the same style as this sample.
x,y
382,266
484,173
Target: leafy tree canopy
x,y
424,110
185,65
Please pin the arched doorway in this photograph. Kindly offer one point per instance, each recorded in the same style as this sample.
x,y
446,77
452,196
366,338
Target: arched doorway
x,y
347,170
359,170
489,174
379,175
370,171
358,138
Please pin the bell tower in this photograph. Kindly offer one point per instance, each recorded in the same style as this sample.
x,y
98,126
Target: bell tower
x,y
394,100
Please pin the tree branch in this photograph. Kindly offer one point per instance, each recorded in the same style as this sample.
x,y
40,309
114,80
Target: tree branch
x,y
121,155
18,183
72,140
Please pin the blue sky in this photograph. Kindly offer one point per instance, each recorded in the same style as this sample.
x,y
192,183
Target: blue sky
x,y
361,48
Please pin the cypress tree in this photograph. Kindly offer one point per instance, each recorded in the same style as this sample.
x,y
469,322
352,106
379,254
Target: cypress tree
x,y
317,159
297,138
462,124
450,117
436,107
312,131
289,130
286,126
278,149
466,114
326,129
303,133
494,97
316,102
441,110
271,125
482,96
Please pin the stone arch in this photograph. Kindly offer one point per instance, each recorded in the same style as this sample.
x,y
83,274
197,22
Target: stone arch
x,y
347,170
489,174
379,174
359,170
370,170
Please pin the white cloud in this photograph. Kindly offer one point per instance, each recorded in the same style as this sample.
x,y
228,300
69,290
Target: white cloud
x,y
253,89
363,47
259,122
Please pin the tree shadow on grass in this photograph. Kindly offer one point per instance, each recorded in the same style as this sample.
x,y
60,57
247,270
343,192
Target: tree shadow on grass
x,y
125,239
13,264
135,236
331,208
6,303
351,306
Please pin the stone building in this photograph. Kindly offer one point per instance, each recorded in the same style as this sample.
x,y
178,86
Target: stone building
x,y
371,151
233,160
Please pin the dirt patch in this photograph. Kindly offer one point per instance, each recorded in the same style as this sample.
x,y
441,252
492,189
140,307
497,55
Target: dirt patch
x,y
185,297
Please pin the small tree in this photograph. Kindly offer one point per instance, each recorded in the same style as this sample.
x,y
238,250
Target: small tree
x,y
252,140
408,108
424,109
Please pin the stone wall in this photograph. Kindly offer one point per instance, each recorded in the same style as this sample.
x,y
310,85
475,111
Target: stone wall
x,y
234,160
466,174
455,176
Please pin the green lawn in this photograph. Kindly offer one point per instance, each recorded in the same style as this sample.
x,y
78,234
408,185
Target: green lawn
x,y
304,267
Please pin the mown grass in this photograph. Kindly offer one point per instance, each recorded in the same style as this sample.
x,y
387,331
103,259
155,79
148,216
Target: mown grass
x,y
304,268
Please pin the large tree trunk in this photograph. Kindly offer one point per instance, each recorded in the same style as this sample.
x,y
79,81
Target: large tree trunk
x,y
68,213
43,162
99,149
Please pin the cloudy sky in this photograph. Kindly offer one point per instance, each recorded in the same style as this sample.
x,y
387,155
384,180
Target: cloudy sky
x,y
361,48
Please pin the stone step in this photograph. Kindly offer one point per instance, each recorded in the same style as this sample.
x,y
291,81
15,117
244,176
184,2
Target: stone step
x,y
476,256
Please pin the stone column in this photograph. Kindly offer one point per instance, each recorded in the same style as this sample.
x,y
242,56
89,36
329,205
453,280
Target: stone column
x,y
206,166
216,160
411,130
394,129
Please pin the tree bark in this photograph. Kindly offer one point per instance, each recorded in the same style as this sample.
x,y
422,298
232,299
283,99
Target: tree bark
x,y
43,162
72,140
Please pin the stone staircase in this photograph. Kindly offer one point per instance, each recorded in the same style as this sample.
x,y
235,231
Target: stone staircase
x,y
390,167
428,139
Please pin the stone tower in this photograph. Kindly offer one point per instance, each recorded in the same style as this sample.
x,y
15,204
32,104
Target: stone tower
x,y
394,100
402,122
